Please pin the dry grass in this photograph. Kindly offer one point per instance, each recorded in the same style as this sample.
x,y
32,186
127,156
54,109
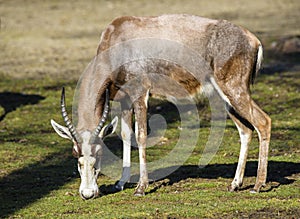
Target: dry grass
x,y
58,38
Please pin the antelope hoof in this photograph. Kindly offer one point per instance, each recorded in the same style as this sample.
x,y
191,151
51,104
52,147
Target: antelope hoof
x,y
140,190
139,193
257,187
232,188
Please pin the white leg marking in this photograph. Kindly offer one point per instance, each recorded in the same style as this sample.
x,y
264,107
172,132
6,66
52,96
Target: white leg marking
x,y
239,174
126,137
219,90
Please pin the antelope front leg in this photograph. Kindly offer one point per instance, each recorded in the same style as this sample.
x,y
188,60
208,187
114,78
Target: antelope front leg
x,y
126,132
143,182
140,108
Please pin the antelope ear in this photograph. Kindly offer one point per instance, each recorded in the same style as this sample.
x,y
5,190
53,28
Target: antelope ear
x,y
61,130
109,129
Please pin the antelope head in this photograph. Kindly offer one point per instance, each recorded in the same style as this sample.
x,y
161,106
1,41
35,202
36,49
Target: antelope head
x,y
87,147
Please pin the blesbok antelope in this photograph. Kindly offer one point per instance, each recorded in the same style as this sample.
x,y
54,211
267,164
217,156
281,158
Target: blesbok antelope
x,y
229,59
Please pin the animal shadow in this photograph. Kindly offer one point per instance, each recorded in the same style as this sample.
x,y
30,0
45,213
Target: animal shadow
x,y
10,101
278,175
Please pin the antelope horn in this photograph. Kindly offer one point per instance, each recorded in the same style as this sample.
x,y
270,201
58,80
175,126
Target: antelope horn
x,y
66,118
103,118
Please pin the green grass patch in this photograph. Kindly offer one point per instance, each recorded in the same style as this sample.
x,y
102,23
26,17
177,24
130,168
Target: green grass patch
x,y
47,44
38,172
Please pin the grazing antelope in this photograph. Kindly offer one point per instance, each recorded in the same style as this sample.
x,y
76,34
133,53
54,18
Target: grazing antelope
x,y
229,59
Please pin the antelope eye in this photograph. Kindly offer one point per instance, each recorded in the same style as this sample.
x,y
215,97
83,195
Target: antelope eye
x,y
96,172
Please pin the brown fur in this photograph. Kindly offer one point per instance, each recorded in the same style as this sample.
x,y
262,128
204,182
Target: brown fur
x,y
230,52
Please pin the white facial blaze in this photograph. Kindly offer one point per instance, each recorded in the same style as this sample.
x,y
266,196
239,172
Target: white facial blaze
x,y
86,167
89,162
86,147
88,187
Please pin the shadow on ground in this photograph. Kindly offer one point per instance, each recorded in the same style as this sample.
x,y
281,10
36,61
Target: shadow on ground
x,y
25,186
11,101
278,173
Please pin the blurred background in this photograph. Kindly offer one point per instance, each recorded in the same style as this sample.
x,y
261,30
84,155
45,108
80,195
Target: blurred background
x,y
58,38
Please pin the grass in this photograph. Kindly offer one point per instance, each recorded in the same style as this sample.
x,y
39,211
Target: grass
x,y
47,44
